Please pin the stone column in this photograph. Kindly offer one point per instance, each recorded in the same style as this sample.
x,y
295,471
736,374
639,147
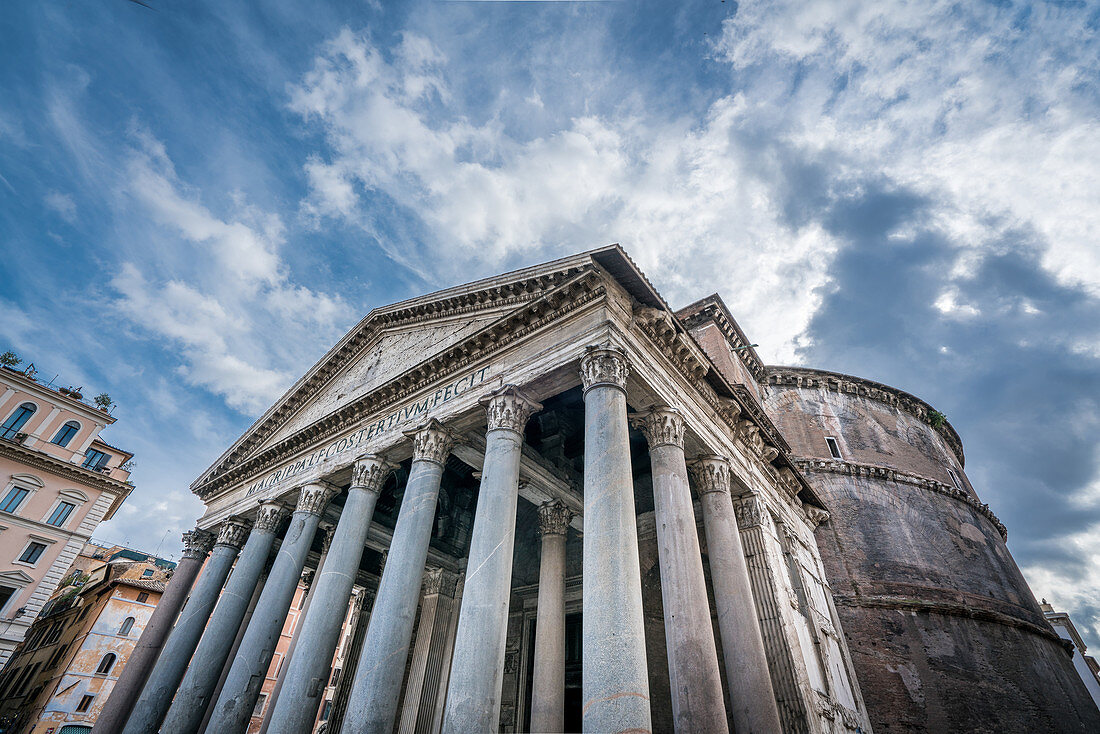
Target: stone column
x,y
376,690
750,687
548,680
186,712
246,676
473,695
696,683
447,657
112,717
422,688
319,632
324,531
363,601
180,646
615,678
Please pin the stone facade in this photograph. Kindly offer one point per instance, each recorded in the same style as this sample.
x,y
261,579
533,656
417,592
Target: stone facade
x,y
581,506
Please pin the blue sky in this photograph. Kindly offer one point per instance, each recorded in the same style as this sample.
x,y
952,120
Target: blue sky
x,y
198,199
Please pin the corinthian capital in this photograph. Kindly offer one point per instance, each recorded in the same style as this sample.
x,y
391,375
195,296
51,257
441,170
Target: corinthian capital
x,y
711,473
313,498
369,472
234,532
270,513
433,442
661,426
604,364
554,518
508,407
197,543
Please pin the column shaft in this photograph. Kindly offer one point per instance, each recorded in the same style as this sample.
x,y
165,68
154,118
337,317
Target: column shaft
x,y
185,713
355,646
696,682
376,689
615,678
447,658
473,696
750,687
319,633
112,717
242,687
434,608
548,680
180,646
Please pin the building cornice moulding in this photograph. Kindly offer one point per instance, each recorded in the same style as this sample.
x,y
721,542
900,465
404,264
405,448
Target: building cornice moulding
x,y
809,378
570,295
902,477
713,310
86,477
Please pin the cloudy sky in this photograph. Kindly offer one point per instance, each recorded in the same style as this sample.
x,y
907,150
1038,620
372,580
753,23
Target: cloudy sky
x,y
198,199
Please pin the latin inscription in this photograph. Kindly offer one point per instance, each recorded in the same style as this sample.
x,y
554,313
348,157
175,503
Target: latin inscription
x,y
384,425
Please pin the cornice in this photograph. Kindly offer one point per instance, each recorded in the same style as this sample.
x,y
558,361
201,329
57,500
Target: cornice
x,y
806,377
913,604
713,310
79,474
537,312
902,477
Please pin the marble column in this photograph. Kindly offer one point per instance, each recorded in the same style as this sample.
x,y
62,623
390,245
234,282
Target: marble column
x,y
750,687
362,601
548,680
422,687
696,682
319,633
376,690
473,696
180,646
324,532
246,676
615,678
436,722
191,699
112,717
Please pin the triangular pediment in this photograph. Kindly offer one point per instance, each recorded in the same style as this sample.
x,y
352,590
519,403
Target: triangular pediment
x,y
17,576
390,342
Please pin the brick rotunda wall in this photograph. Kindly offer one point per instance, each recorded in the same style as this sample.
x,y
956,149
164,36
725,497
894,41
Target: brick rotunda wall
x,y
944,632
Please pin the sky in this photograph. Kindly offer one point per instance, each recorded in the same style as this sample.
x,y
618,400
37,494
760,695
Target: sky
x,y
198,199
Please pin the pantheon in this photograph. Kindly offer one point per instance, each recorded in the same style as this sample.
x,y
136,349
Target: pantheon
x,y
561,505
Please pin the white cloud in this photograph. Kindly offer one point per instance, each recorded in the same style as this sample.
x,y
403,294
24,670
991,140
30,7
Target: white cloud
x,y
232,292
63,204
985,109
673,194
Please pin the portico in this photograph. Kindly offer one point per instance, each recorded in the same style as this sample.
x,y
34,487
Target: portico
x,y
506,468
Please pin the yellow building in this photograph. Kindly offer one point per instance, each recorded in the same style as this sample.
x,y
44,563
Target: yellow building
x,y
60,675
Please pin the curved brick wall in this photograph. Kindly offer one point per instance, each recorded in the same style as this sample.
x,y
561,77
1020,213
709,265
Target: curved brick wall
x,y
943,630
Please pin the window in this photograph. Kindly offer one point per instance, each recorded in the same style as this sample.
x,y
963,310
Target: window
x,y
106,664
95,460
259,709
955,478
13,499
6,593
60,514
85,703
66,433
16,420
147,573
127,625
335,677
834,447
32,552
143,597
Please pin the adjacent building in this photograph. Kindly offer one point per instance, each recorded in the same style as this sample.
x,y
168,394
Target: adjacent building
x,y
1085,665
567,507
59,481
59,677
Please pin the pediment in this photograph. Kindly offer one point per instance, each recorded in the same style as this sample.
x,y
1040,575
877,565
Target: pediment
x,y
391,342
17,576
392,353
